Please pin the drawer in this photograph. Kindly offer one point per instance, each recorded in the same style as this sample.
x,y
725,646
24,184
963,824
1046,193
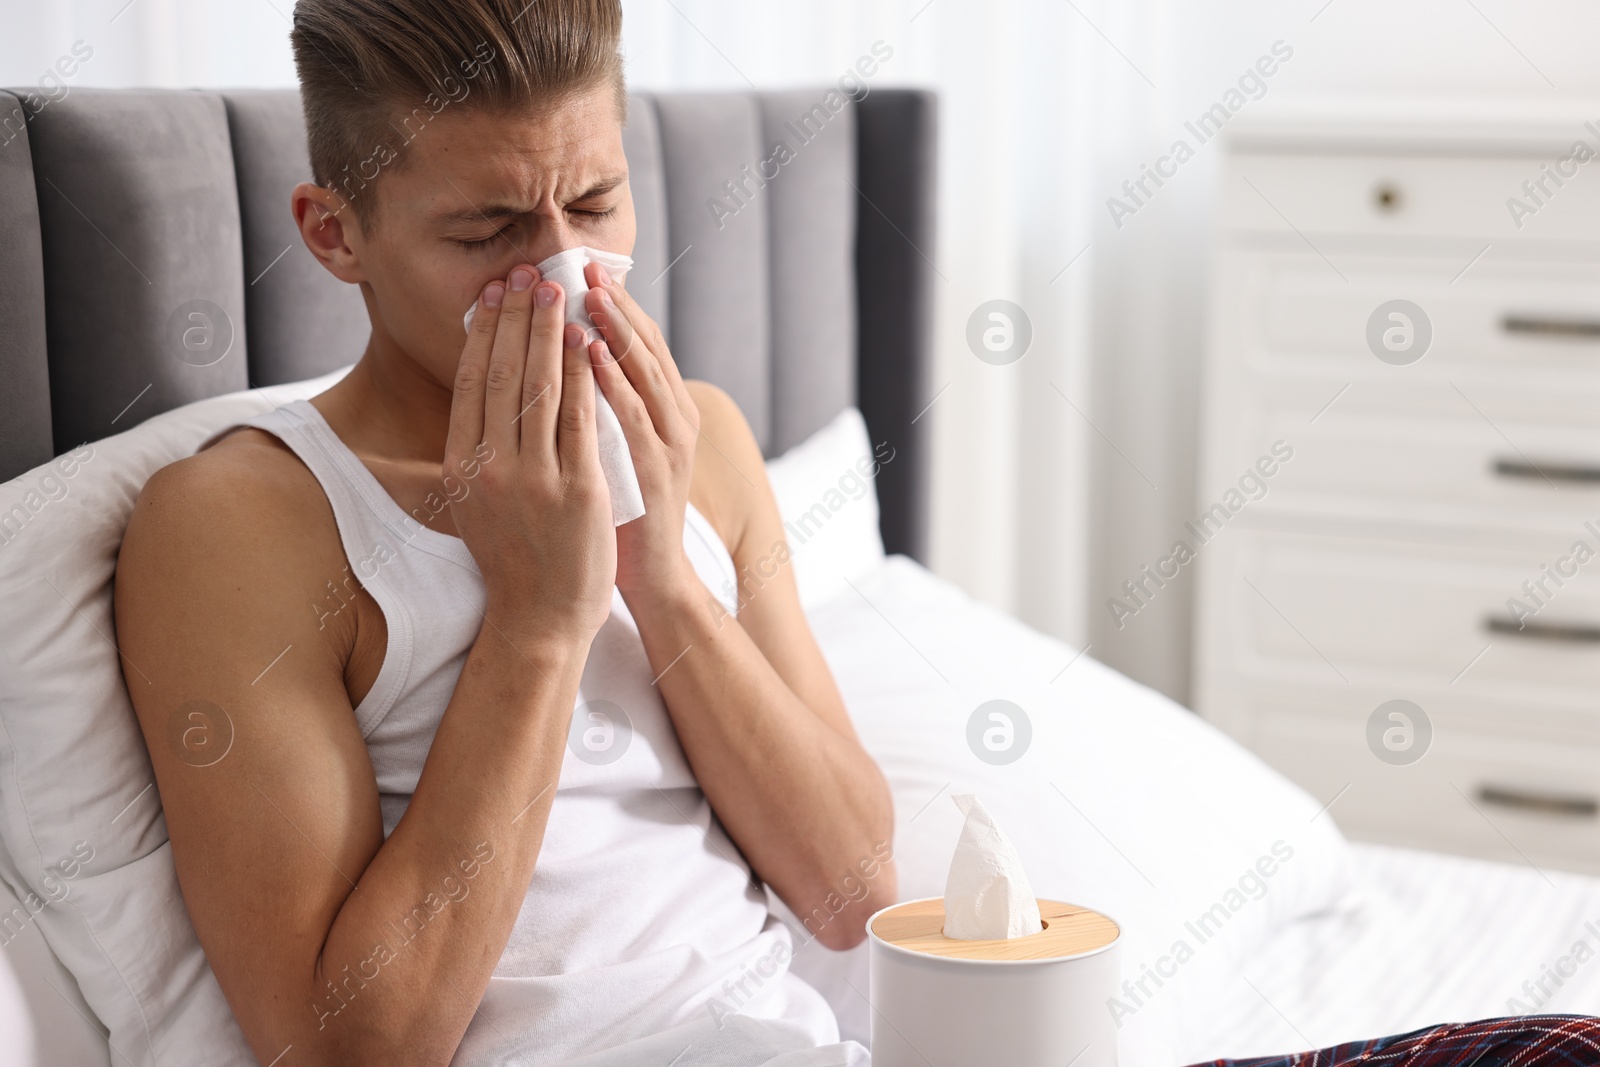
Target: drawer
x,y
1504,320
1420,451
1410,196
1332,612
1494,794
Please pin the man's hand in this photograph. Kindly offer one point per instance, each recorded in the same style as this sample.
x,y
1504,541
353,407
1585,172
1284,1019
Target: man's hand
x,y
641,382
538,524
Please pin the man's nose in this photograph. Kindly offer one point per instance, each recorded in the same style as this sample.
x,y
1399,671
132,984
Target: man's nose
x,y
553,236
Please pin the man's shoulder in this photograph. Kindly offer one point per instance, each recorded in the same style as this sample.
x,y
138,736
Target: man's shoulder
x,y
730,477
246,502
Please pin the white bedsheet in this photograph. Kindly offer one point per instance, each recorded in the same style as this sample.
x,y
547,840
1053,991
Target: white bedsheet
x,y
1427,938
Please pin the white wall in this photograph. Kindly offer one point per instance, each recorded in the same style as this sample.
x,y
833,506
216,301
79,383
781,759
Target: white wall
x,y
1058,475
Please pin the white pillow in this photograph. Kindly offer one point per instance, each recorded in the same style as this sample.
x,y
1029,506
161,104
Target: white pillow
x,y
1122,801
829,505
85,847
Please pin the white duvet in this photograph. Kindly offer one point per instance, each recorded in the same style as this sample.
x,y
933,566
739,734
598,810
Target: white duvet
x,y
1123,801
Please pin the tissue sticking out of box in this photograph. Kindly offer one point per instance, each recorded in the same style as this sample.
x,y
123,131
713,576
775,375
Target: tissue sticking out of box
x,y
987,896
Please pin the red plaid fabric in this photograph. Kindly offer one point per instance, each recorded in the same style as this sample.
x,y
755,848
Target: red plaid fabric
x,y
1521,1041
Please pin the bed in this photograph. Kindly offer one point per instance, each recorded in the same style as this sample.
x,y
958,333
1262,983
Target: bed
x,y
1427,937
1119,800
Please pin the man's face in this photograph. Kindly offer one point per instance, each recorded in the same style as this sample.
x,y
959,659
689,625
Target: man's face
x,y
477,194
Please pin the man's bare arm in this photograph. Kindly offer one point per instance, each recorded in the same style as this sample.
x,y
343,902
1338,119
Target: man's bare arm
x,y
303,908
755,707
761,719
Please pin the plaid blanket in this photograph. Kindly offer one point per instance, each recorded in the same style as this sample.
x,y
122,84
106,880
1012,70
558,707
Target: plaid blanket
x,y
1520,1041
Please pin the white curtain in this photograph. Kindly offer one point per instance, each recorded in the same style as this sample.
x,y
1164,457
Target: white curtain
x,y
1017,125
1058,475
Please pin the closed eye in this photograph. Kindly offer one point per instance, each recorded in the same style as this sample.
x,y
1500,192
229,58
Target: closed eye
x,y
481,243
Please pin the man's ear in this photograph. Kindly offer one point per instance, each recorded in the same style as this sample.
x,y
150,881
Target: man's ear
x,y
329,229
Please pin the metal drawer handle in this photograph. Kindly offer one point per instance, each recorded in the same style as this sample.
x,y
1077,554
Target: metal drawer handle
x,y
1539,472
1540,803
1576,632
1548,327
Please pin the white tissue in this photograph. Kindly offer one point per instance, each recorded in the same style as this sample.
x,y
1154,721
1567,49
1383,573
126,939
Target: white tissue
x,y
616,462
987,896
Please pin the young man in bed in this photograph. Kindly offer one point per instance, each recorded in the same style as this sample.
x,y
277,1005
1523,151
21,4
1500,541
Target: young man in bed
x,y
415,847
454,769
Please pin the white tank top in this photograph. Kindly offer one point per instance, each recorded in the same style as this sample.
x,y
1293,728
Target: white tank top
x,y
642,914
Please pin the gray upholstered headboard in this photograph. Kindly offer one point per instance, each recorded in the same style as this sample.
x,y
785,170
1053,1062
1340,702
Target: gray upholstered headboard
x,y
798,296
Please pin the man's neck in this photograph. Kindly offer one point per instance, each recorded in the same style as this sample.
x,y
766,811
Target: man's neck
x,y
388,407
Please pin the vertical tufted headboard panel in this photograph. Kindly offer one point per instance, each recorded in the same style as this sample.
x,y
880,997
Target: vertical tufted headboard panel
x,y
800,286
24,370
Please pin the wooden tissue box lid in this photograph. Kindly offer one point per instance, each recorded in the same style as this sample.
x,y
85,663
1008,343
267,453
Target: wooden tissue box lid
x,y
918,926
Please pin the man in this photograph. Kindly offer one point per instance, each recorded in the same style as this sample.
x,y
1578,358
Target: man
x,y
410,854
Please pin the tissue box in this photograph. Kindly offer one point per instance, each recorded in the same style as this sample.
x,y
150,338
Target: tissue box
x,y
1035,1001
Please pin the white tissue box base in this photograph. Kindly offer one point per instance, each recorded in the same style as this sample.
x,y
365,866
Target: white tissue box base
x,y
933,1011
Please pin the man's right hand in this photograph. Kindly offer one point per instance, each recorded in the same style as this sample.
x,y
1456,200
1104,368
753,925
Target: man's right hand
x,y
537,517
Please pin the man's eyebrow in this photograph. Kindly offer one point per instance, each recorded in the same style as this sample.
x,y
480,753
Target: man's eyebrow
x,y
480,213
500,212
602,187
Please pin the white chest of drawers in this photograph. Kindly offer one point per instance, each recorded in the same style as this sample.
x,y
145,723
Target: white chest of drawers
x,y
1422,543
